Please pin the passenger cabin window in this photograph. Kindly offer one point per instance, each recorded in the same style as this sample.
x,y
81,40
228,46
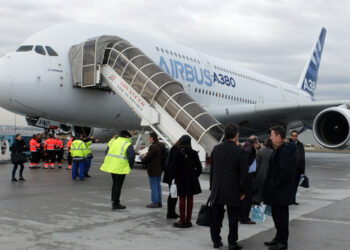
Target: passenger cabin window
x,y
51,51
40,50
25,48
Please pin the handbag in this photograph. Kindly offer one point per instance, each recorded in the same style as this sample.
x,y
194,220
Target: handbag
x,y
257,214
205,214
173,189
18,158
268,210
304,181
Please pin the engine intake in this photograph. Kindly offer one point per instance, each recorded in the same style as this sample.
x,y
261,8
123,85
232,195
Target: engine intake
x,y
331,127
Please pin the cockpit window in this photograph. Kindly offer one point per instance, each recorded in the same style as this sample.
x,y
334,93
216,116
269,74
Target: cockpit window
x,y
25,48
51,51
40,50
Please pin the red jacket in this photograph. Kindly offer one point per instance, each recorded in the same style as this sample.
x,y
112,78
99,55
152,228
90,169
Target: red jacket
x,y
34,145
50,144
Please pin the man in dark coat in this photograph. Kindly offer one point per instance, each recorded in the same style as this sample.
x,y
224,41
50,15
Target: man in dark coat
x,y
279,188
18,157
299,160
154,161
228,169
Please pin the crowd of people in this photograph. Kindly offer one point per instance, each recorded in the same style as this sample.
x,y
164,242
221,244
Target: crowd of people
x,y
52,151
240,176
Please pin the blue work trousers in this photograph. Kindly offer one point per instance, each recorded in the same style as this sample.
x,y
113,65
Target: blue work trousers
x,y
78,165
87,164
156,189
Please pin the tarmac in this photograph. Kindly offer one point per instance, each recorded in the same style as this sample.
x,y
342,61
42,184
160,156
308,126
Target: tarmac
x,y
51,211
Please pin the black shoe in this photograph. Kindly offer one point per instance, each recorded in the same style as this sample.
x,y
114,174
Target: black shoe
x,y
59,166
22,179
160,204
248,222
218,245
235,247
189,224
14,179
153,206
271,243
279,246
87,175
181,225
295,203
118,206
172,216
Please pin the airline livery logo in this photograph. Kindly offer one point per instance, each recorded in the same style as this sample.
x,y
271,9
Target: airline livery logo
x,y
186,72
310,80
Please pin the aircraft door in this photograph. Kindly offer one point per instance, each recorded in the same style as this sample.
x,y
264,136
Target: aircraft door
x,y
261,100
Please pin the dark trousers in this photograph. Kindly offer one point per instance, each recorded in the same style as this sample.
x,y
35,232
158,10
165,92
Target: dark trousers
x,y
171,204
246,203
118,180
51,156
216,224
35,158
297,179
15,166
59,154
185,207
280,216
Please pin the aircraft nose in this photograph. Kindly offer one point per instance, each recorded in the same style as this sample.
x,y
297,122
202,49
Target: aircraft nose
x,y
5,81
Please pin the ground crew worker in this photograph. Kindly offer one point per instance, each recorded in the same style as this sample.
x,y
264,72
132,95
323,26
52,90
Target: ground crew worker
x,y
34,146
49,147
88,142
69,157
59,151
119,160
79,153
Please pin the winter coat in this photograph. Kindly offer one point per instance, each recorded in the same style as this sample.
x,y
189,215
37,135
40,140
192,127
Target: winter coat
x,y
154,159
250,151
187,168
17,150
228,171
300,158
169,174
262,167
279,186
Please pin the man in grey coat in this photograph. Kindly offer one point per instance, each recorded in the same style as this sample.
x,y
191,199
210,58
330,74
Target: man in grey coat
x,y
228,169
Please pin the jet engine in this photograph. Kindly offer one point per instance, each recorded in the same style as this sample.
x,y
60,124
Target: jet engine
x,y
331,127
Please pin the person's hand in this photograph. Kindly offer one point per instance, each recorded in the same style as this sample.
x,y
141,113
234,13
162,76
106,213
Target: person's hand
x,y
242,197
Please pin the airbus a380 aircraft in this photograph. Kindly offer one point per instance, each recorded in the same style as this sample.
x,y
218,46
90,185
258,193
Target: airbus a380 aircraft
x,y
36,81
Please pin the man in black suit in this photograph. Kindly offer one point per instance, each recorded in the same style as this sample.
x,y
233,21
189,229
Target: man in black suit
x,y
278,188
228,170
299,160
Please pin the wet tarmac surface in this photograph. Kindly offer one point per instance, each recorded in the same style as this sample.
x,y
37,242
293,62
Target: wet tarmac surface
x,y
51,211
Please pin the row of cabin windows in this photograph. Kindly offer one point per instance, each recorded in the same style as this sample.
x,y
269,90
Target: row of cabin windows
x,y
38,49
169,52
244,76
224,96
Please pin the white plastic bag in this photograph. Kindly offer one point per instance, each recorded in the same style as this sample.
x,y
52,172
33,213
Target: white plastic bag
x,y
173,189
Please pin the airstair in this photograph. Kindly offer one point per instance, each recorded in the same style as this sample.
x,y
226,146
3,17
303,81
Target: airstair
x,y
110,62
4,150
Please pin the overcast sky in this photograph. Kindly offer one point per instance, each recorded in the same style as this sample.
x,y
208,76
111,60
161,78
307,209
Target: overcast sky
x,y
273,37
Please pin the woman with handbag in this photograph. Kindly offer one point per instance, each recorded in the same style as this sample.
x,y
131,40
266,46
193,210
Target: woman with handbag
x,y
18,157
187,168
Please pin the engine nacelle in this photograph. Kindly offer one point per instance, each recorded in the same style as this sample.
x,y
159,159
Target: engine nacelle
x,y
85,131
331,127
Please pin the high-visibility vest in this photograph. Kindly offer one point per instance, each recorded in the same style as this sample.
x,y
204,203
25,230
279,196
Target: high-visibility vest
x,y
59,144
78,150
50,144
69,144
34,145
116,161
88,147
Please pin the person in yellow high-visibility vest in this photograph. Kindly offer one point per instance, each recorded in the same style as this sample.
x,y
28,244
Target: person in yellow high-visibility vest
x,y
79,153
119,160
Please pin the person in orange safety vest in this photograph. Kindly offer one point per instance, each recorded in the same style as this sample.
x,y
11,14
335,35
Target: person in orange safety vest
x,y
69,157
50,148
34,146
59,151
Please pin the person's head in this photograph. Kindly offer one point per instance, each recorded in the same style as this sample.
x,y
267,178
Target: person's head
x,y
231,132
153,137
278,133
185,141
268,143
51,136
254,140
78,137
294,134
18,137
125,134
35,136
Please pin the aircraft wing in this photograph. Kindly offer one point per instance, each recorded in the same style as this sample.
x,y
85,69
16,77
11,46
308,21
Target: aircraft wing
x,y
259,118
